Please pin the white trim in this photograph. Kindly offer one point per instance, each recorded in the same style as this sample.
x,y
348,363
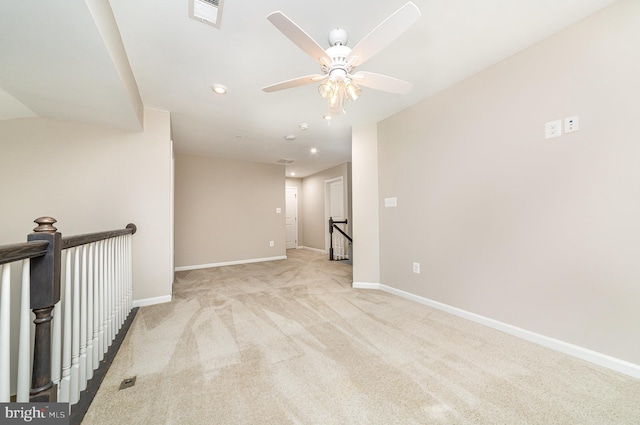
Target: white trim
x,y
365,285
229,263
152,301
591,356
322,251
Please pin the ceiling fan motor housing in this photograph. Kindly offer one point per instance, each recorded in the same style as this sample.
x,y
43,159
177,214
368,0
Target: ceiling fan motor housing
x,y
338,36
338,55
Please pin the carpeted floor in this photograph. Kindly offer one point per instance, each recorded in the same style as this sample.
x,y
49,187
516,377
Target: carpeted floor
x,y
289,342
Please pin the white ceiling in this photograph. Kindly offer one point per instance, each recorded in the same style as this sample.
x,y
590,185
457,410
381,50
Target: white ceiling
x,y
62,60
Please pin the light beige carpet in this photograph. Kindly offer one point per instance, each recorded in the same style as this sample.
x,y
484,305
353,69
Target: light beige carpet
x,y
289,342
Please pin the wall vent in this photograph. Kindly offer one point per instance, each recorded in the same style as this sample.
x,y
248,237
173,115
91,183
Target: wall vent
x,y
207,11
285,161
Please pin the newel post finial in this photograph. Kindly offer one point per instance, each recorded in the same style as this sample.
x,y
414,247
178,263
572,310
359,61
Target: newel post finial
x,y
45,225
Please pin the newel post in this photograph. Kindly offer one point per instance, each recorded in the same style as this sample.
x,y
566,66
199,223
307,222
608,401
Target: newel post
x,y
331,238
45,293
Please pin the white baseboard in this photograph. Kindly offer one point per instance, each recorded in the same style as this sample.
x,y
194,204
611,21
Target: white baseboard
x,y
323,251
229,263
591,356
365,285
152,301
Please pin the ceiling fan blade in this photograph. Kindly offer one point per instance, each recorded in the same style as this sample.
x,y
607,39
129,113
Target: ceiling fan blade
x,y
386,32
382,82
300,81
299,37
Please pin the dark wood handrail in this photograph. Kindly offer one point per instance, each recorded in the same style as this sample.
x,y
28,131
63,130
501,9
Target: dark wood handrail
x,y
342,231
22,251
73,241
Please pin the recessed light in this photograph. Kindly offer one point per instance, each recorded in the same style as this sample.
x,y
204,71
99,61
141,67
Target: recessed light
x,y
290,137
304,126
314,150
219,89
293,173
327,117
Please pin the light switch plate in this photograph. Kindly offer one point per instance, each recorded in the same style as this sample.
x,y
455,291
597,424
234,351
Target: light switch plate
x,y
390,202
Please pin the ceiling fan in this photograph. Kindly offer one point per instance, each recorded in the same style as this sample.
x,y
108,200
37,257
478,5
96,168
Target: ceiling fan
x,y
338,80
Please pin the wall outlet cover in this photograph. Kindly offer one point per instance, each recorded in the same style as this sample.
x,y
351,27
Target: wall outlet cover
x,y
553,129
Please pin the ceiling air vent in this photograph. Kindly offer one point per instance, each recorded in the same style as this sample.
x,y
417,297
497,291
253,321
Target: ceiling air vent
x,y
207,11
285,161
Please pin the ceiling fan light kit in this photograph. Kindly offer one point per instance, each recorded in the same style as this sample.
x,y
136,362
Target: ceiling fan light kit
x,y
338,81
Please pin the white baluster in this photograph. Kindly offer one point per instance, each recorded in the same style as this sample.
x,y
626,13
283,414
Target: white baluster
x,y
89,335
123,284
82,371
96,306
109,293
56,342
24,344
129,274
74,389
118,266
118,282
65,382
123,265
114,294
102,301
5,337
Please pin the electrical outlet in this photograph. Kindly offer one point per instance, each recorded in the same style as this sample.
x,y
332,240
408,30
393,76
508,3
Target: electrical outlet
x,y
553,129
272,243
390,202
571,124
416,268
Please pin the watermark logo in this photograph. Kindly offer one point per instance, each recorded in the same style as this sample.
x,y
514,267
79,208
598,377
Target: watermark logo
x,y
34,413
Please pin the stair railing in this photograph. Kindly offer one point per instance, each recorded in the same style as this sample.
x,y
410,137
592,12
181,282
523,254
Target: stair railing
x,y
75,322
338,244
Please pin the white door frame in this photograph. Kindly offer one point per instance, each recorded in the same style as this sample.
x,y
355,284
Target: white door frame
x,y
327,184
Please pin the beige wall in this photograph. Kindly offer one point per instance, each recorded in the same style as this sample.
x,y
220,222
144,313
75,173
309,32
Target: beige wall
x,y
297,183
366,252
538,233
225,210
92,178
315,226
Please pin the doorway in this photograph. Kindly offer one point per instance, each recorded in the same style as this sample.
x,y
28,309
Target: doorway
x,y
291,217
334,204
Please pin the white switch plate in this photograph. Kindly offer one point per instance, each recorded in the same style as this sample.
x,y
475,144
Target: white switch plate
x,y
272,243
278,210
571,124
390,202
553,129
416,268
